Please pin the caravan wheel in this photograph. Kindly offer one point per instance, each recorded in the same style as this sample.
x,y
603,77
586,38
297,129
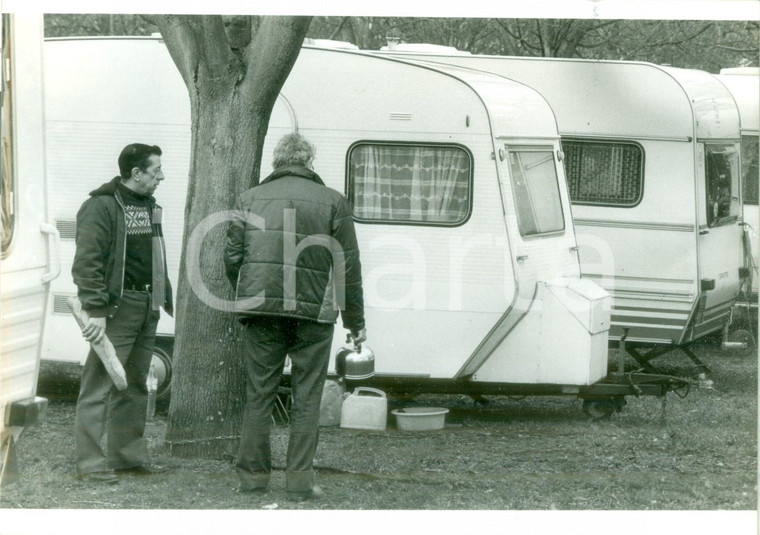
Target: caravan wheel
x,y
601,409
162,359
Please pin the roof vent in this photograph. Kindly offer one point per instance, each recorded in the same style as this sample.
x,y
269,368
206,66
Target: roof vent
x,y
400,116
742,71
329,43
67,228
59,303
424,48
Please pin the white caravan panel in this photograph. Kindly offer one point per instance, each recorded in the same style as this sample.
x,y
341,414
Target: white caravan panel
x,y
654,249
93,109
28,261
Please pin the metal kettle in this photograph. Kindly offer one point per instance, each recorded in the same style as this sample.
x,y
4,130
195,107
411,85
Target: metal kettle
x,y
355,361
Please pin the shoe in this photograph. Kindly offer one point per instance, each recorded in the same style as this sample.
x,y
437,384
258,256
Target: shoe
x,y
145,470
107,477
314,494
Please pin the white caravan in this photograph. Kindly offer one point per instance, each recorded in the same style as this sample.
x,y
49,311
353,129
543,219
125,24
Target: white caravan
x,y
470,262
744,85
652,161
26,267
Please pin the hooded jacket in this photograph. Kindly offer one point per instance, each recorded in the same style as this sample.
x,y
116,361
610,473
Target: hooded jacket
x,y
291,251
101,240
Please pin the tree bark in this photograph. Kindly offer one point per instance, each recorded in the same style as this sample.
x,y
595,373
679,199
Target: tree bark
x,y
232,93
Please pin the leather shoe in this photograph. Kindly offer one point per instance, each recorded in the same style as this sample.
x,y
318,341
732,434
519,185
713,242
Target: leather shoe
x,y
108,478
314,494
145,470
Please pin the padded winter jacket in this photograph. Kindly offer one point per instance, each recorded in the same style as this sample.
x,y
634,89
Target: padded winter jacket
x,y
101,241
291,251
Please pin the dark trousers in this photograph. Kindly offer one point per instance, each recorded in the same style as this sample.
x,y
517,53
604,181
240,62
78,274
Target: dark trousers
x,y
104,410
270,340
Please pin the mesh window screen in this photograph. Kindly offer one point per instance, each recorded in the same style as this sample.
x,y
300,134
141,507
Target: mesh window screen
x,y
603,172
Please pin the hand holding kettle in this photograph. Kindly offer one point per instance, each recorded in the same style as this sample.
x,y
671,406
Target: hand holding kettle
x,y
357,362
358,336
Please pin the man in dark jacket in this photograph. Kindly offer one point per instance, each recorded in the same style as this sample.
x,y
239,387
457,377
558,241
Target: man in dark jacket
x,y
120,272
292,256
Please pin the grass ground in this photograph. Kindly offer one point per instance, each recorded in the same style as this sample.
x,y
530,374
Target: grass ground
x,y
540,453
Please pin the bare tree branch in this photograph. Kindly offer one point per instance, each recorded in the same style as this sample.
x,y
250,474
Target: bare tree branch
x,y
736,49
274,40
506,27
643,42
482,31
681,41
339,28
184,51
200,43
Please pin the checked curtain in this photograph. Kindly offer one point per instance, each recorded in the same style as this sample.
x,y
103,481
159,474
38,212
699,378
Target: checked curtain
x,y
404,183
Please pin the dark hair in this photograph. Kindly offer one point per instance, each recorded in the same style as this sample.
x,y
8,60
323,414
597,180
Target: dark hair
x,y
136,155
292,149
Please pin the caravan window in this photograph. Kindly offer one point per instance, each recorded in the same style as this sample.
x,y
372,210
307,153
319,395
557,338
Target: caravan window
x,y
750,171
604,172
400,183
7,205
536,189
721,184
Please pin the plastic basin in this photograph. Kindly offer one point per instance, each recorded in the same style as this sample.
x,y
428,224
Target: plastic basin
x,y
420,418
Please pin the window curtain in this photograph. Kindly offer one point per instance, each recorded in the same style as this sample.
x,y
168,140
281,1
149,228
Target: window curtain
x,y
406,183
6,146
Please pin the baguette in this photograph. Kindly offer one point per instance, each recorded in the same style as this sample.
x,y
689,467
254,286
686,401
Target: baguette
x,y
104,348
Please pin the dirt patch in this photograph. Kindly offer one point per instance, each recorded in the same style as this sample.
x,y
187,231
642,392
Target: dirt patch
x,y
537,453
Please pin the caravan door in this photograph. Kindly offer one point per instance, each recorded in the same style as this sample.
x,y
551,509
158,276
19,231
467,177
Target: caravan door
x,y
720,233
25,269
539,213
542,246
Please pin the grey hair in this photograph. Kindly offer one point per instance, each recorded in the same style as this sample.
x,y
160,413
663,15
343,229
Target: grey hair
x,y
293,149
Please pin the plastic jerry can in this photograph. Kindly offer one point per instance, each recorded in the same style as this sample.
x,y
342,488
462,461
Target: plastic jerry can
x,y
365,408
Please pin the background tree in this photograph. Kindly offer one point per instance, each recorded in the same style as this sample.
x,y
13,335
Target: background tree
x,y
360,31
102,24
558,38
234,69
706,45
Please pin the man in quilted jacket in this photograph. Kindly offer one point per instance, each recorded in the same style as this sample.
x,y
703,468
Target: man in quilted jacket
x,y
293,259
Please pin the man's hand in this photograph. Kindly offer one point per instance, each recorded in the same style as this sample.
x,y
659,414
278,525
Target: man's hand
x,y
95,330
359,336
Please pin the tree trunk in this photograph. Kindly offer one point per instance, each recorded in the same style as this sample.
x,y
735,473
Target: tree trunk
x,y
232,93
207,392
